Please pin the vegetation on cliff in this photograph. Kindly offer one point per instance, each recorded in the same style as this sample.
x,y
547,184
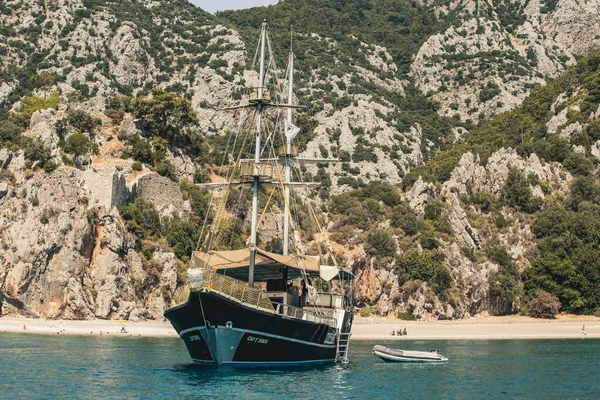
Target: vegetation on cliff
x,y
525,128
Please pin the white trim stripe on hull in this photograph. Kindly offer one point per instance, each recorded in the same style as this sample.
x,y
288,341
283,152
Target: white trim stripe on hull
x,y
252,332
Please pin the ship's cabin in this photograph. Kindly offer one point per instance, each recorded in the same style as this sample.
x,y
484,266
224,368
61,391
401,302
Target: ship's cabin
x,y
289,282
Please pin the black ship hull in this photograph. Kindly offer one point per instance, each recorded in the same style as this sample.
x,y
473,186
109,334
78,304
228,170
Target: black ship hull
x,y
222,332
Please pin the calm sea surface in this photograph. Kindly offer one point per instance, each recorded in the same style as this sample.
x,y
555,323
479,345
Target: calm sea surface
x,y
47,366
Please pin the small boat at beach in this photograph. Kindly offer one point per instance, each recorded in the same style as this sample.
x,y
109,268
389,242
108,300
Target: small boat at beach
x,y
396,355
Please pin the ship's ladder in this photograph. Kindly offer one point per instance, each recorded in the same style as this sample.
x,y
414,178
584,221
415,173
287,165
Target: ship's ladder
x,y
342,347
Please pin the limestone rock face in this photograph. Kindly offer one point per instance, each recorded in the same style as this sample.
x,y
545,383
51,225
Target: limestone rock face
x,y
491,178
47,242
66,251
5,90
464,232
537,41
162,192
419,195
571,22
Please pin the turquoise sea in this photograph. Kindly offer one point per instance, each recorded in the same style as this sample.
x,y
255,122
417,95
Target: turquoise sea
x,y
50,367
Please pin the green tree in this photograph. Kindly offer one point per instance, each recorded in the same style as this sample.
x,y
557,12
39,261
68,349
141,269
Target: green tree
x,y
82,121
35,151
504,284
568,264
517,193
141,218
31,104
78,144
170,117
424,266
380,244
584,188
182,237
9,131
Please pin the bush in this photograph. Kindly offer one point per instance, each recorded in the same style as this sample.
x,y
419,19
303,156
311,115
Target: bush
x,y
544,305
584,188
170,117
35,150
78,145
82,121
50,166
43,80
9,131
139,149
141,218
425,266
380,244
517,193
404,218
165,168
578,164
31,104
367,311
136,166
116,107
182,236
406,316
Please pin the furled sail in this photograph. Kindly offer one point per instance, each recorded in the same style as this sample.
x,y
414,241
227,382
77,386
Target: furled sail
x,y
291,130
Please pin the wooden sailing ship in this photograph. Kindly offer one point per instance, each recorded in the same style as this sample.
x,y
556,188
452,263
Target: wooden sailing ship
x,y
241,309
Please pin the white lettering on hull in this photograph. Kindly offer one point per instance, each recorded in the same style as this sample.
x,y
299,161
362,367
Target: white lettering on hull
x,y
258,340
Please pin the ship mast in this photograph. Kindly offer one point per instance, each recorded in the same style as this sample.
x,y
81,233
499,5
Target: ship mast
x,y
288,158
259,112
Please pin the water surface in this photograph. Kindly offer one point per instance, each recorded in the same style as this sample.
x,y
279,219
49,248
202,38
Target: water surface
x,y
47,366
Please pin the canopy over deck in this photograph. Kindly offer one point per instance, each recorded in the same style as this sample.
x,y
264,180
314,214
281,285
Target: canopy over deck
x,y
268,265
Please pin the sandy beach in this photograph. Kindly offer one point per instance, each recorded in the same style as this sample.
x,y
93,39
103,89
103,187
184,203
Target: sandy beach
x,y
372,328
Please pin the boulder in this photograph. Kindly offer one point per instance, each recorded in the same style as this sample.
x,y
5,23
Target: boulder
x,y
3,189
420,193
5,157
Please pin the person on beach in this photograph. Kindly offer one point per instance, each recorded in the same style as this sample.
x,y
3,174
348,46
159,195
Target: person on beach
x,y
1,302
583,330
404,332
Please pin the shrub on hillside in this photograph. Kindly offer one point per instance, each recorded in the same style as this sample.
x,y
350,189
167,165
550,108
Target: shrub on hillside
x,y
544,305
368,311
136,166
82,121
78,145
35,150
170,117
31,104
406,316
141,218
380,244
584,188
517,193
9,131
116,107
424,266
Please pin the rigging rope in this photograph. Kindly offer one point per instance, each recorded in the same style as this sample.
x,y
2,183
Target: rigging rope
x,y
265,209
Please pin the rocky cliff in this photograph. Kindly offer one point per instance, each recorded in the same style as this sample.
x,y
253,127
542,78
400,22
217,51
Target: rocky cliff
x,y
383,101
